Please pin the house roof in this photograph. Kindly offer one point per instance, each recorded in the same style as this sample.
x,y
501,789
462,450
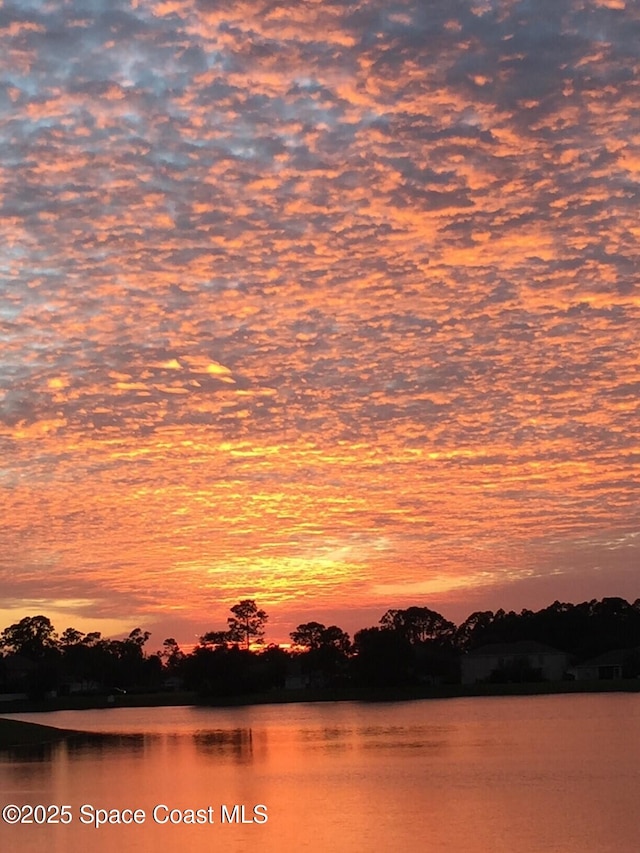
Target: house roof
x,y
523,647
616,657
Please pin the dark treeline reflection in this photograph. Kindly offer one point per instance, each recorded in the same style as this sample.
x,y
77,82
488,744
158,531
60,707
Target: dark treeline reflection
x,y
81,742
409,646
237,742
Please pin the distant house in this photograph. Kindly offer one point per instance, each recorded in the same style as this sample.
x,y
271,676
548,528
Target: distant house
x,y
604,667
76,687
484,662
173,683
12,697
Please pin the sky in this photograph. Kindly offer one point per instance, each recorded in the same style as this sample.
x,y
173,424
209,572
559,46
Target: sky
x,y
331,305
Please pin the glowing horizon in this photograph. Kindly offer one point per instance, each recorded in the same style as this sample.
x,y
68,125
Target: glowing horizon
x,y
333,306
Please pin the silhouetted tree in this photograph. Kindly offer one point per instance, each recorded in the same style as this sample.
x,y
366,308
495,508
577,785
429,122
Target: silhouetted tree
x,y
32,637
325,658
315,635
276,661
82,658
382,658
583,630
473,631
224,671
213,639
129,667
70,637
309,634
247,623
419,624
413,644
171,655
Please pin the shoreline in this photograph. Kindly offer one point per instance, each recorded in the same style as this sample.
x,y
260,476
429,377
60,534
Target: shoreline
x,y
319,694
18,733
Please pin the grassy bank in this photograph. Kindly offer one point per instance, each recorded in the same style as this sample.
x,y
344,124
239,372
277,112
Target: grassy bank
x,y
84,703
409,693
15,733
327,694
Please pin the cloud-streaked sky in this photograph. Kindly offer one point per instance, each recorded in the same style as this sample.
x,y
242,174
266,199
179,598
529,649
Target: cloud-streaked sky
x,y
333,305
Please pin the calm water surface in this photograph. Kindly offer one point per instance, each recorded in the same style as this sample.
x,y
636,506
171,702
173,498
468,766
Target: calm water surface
x,y
522,774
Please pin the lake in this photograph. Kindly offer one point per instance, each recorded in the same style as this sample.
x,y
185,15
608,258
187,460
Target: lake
x,y
518,774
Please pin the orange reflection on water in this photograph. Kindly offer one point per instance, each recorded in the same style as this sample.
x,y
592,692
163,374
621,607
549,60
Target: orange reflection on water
x,y
472,774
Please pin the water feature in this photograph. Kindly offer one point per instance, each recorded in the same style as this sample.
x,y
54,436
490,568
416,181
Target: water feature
x,y
517,774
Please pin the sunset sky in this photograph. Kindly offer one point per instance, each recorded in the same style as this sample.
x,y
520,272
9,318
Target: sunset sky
x,y
328,304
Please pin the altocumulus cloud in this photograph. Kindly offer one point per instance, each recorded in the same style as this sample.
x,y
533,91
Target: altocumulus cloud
x,y
283,282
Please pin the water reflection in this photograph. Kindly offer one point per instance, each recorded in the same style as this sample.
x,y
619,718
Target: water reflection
x,y
88,741
472,775
105,744
237,742
377,737
31,752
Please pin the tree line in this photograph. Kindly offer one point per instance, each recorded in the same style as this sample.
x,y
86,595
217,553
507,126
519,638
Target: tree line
x,y
408,646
